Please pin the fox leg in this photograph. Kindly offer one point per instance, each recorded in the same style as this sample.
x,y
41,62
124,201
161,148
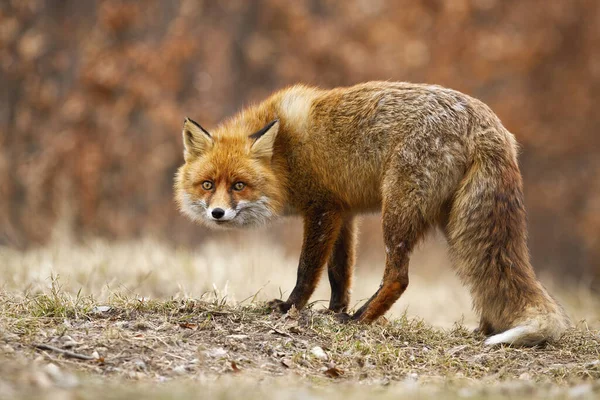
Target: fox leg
x,y
405,220
403,228
485,327
418,181
340,265
321,229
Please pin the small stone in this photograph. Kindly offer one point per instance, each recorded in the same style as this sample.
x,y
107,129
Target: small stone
x,y
100,309
179,370
69,343
237,337
140,365
319,353
216,352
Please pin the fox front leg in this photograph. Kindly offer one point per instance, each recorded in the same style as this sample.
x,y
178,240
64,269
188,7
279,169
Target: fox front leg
x,y
321,229
341,264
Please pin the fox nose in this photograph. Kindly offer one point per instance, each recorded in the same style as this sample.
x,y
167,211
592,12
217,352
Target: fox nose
x,y
218,213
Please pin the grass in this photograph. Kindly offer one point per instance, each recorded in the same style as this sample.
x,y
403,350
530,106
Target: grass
x,y
72,335
198,342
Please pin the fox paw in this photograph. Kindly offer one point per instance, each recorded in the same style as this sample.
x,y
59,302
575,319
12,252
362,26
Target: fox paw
x,y
279,305
343,317
338,308
478,333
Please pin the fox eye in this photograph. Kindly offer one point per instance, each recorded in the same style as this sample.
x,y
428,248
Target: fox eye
x,y
207,185
239,186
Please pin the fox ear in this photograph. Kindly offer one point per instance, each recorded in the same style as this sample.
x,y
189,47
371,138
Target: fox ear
x,y
264,140
196,140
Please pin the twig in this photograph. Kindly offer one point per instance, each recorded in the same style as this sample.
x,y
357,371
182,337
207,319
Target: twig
x,y
65,353
277,331
175,356
218,313
66,361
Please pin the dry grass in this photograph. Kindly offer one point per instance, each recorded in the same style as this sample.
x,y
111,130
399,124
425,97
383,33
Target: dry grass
x,y
154,326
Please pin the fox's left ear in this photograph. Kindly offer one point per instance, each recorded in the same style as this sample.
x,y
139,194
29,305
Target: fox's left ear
x,y
264,140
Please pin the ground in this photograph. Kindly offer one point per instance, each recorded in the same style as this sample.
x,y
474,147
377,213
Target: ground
x,y
68,336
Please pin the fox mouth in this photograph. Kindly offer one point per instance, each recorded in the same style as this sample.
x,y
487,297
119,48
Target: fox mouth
x,y
223,222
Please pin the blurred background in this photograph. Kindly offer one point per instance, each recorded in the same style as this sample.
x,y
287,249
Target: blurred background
x,y
93,96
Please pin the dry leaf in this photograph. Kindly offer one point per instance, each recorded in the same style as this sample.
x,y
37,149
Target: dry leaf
x,y
293,313
334,372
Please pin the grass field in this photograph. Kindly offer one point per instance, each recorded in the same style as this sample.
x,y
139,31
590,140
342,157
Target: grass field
x,y
143,319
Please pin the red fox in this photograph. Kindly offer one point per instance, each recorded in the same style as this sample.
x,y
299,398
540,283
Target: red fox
x,y
424,155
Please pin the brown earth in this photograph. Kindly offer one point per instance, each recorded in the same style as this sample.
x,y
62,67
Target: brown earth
x,y
199,341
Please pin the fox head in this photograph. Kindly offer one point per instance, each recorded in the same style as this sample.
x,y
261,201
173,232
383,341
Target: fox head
x,y
228,179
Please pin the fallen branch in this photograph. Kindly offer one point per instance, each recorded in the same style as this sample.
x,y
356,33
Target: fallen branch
x,y
65,353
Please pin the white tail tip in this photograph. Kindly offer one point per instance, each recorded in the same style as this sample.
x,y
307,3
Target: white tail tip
x,y
511,336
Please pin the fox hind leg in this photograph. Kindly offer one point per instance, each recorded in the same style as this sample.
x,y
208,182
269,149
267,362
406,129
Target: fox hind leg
x,y
340,266
402,227
419,180
408,211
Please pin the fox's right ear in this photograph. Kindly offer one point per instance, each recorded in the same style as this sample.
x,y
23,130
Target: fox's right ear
x,y
196,140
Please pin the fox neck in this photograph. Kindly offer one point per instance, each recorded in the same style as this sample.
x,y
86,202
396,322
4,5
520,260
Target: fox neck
x,y
292,108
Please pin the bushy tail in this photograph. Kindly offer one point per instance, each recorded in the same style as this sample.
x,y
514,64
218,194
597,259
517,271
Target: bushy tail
x,y
487,234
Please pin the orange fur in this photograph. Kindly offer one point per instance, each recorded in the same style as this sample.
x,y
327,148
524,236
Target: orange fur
x,y
425,155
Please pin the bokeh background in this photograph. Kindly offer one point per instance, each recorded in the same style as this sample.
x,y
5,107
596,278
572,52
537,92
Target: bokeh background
x,y
93,95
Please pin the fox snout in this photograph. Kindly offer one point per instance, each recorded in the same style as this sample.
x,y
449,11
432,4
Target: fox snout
x,y
243,213
217,213
220,214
